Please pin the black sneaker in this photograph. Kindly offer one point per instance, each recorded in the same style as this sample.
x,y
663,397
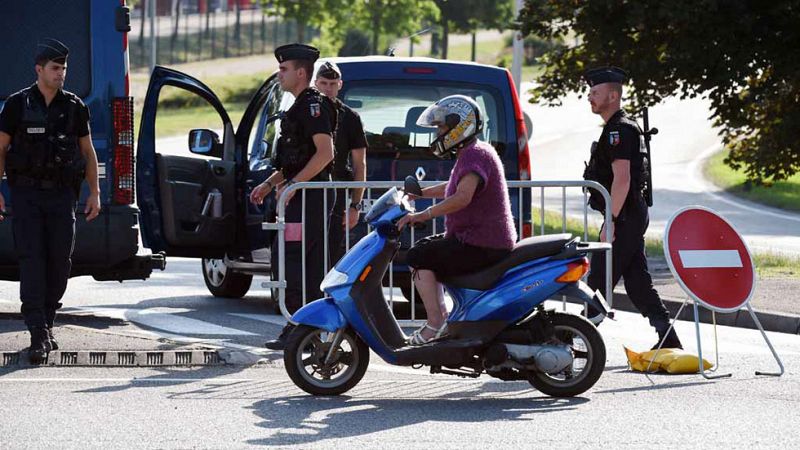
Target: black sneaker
x,y
280,342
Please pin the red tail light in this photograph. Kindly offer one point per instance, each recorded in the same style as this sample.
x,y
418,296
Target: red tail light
x,y
523,159
122,109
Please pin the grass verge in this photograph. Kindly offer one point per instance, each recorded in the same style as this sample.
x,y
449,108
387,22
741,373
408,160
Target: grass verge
x,y
780,194
768,265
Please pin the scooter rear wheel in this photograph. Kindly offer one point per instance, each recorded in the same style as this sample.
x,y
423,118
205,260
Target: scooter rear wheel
x,y
304,358
589,352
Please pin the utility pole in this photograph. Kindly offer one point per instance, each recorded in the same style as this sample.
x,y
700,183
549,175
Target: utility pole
x,y
516,65
151,12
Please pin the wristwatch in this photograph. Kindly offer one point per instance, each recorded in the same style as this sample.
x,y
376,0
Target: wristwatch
x,y
356,205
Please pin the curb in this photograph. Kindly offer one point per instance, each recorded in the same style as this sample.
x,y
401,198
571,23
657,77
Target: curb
x,y
771,321
87,358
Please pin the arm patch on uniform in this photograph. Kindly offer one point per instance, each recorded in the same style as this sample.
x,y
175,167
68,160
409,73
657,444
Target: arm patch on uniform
x,y
613,138
315,109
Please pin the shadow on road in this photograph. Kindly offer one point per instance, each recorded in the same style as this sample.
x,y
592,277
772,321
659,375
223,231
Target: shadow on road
x,y
307,419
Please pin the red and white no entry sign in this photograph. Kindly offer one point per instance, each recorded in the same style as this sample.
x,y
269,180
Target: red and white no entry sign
x,y
709,259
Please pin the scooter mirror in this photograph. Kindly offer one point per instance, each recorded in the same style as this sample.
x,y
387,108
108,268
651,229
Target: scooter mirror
x,y
411,186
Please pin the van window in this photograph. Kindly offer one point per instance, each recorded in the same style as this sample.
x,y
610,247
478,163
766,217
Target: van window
x,y
25,23
389,111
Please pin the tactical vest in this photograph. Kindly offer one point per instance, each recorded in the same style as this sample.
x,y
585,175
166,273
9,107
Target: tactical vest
x,y
294,150
42,157
599,167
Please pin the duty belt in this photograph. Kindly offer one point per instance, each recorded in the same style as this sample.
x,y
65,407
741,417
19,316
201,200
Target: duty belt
x,y
23,181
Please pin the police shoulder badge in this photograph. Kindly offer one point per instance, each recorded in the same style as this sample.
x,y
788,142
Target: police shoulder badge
x,y
315,109
613,138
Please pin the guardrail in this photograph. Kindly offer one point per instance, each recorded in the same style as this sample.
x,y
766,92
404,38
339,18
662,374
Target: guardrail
x,y
279,285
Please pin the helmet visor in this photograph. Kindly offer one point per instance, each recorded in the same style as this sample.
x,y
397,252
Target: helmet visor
x,y
432,117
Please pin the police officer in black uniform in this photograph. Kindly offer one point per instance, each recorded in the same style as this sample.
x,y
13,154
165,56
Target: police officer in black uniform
x,y
349,162
619,162
304,153
46,150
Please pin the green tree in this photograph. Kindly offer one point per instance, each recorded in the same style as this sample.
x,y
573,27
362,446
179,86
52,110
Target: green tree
x,y
304,13
738,53
466,16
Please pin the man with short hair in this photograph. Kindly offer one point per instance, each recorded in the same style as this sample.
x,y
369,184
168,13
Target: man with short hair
x,y
304,153
619,162
351,144
46,150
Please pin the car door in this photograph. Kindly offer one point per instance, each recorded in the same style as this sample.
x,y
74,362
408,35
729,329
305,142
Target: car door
x,y
188,203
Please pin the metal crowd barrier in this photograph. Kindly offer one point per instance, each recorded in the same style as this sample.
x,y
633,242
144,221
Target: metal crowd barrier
x,y
279,285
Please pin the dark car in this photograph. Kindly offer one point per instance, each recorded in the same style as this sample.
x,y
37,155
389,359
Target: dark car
x,y
389,93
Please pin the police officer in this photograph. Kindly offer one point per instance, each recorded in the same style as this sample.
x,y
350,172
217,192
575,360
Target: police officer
x,y
619,162
46,151
350,143
304,152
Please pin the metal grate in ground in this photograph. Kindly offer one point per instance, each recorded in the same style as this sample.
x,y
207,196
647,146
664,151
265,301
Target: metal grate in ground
x,y
93,358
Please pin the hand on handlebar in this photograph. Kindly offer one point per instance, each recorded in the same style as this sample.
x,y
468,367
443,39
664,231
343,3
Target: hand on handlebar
x,y
413,219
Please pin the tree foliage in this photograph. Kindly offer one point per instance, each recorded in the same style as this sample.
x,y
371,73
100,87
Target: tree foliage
x,y
738,53
305,12
467,16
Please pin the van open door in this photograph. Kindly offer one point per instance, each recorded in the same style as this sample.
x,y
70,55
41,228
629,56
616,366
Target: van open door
x,y
187,202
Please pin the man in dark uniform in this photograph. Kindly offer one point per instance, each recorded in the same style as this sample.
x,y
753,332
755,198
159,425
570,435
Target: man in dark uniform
x,y
619,162
350,141
304,152
46,150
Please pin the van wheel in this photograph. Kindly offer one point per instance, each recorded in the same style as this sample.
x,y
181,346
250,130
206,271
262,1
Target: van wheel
x,y
223,282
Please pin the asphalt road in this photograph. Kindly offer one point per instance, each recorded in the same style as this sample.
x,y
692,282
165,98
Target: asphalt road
x,y
239,406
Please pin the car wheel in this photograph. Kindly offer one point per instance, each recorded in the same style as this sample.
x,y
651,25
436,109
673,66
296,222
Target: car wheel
x,y
223,282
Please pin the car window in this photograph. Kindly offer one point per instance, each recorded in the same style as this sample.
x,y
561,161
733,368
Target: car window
x,y
390,109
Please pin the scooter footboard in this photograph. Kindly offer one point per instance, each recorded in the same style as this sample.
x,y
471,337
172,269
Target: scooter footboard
x,y
322,313
581,292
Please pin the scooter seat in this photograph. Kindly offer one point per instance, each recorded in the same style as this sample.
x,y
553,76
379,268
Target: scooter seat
x,y
525,250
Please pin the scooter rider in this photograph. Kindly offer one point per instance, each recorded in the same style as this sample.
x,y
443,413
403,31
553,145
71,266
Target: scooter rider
x,y
479,228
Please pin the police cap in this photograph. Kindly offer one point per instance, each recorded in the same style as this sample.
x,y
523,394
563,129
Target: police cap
x,y
329,70
602,75
290,52
50,49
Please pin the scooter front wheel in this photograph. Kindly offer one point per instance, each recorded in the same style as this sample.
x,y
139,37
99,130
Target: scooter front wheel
x,y
319,368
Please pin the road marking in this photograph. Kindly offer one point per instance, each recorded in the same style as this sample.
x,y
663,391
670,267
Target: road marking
x,y
699,259
708,188
275,320
166,319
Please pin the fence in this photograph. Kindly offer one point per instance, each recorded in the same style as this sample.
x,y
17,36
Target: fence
x,y
192,36
279,285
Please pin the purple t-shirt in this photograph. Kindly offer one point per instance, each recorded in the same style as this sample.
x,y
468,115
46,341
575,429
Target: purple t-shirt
x,y
486,221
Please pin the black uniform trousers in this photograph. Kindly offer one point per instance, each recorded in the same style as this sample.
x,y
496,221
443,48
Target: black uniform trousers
x,y
315,235
43,223
629,262
336,232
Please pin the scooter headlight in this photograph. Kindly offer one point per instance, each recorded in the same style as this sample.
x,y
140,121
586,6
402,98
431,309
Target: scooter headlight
x,y
333,279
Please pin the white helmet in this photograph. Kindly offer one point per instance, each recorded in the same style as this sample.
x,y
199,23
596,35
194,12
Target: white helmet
x,y
460,114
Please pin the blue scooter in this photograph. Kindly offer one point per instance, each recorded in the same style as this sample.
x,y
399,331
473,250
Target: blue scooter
x,y
498,324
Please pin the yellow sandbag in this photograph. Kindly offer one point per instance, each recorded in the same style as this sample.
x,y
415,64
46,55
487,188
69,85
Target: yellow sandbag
x,y
670,360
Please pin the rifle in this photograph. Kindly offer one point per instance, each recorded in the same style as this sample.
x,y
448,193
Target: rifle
x,y
648,133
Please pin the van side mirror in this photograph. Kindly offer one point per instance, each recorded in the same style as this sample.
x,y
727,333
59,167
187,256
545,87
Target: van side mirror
x,y
204,142
411,186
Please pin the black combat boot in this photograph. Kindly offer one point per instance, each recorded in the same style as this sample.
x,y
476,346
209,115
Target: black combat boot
x,y
280,342
53,343
40,346
671,340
